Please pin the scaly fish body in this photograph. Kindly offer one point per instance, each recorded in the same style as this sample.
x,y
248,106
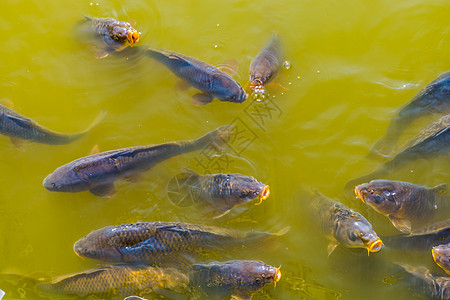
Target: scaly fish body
x,y
432,99
150,242
98,172
116,35
16,126
343,225
431,142
218,192
441,255
406,204
265,66
239,279
115,282
425,283
423,238
213,82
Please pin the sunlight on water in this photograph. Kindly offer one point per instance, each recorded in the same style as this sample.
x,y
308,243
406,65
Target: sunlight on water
x,y
347,68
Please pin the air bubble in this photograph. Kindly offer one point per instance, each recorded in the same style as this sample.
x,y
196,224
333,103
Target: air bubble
x,y
287,65
259,94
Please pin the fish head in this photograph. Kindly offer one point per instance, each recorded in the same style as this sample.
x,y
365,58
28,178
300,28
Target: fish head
x,y
247,188
441,255
98,245
249,273
260,77
384,196
123,33
227,89
65,179
354,231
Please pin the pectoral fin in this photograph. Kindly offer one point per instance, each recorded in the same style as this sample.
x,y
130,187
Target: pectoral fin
x,y
275,86
182,85
440,189
332,246
103,52
7,103
134,177
94,150
18,143
404,225
239,295
104,190
222,214
201,99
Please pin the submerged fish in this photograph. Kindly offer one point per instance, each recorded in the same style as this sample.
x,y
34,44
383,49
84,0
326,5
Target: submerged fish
x,y
96,173
404,203
433,141
154,242
343,225
19,128
115,282
213,82
427,284
441,255
218,192
432,99
421,239
114,35
238,279
265,66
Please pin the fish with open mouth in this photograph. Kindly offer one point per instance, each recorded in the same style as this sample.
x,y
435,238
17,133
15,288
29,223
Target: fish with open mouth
x,y
407,205
238,279
210,80
215,193
343,225
98,172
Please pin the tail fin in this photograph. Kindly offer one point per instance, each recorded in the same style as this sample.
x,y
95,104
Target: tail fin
x,y
257,240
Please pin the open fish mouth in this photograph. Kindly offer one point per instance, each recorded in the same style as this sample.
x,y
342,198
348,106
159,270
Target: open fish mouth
x,y
133,37
277,276
264,195
77,254
359,194
375,246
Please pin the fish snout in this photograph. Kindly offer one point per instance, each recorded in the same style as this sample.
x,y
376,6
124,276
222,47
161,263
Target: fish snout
x,y
277,276
256,83
264,194
50,185
133,37
361,192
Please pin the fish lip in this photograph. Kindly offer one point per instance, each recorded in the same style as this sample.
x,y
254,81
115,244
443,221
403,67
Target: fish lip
x,y
375,246
277,276
133,37
264,194
359,194
77,254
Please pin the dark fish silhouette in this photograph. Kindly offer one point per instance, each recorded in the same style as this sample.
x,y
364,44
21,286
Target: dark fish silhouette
x,y
265,66
96,173
215,193
431,142
238,279
112,35
213,82
342,225
432,99
423,282
421,239
19,128
407,205
441,255
155,242
115,282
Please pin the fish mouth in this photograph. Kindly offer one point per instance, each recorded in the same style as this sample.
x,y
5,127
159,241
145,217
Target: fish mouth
x,y
433,253
359,194
374,246
77,254
256,84
277,276
133,37
264,195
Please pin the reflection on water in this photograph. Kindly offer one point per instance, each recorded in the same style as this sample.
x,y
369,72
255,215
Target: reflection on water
x,y
348,68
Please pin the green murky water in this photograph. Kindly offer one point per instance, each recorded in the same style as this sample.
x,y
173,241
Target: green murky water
x,y
353,64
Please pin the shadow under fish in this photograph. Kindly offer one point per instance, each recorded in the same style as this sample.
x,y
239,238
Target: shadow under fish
x,y
432,99
98,172
216,194
431,142
210,80
20,128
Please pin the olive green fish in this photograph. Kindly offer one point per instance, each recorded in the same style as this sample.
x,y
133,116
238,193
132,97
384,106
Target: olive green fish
x,y
19,128
431,142
115,282
342,225
421,239
238,279
98,172
210,80
407,205
265,66
215,193
441,255
111,35
155,242
432,99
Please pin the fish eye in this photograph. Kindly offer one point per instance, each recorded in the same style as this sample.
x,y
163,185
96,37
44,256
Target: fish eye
x,y
53,185
353,236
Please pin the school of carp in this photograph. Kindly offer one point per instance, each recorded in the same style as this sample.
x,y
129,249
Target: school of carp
x,y
162,258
